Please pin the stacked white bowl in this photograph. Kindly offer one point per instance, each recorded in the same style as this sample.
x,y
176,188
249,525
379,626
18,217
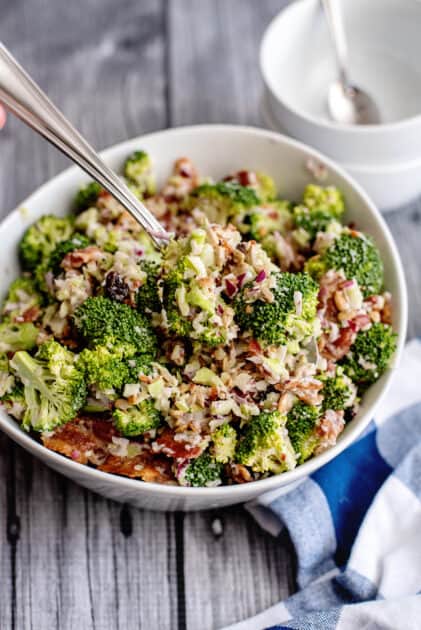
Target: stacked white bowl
x,y
298,64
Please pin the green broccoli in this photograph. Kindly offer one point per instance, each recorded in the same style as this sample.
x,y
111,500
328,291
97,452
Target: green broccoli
x,y
53,262
138,419
223,201
139,175
265,187
301,424
201,471
14,402
267,219
108,369
148,299
104,322
370,354
357,256
7,380
338,391
291,315
224,443
86,197
172,293
77,241
15,336
41,238
54,389
265,445
21,297
320,208
186,297
103,368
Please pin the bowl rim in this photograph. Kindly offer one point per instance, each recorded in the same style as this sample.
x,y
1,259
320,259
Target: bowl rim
x,y
327,125
370,169
66,465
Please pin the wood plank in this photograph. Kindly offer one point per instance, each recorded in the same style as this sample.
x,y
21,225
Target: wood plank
x,y
81,561
214,72
232,575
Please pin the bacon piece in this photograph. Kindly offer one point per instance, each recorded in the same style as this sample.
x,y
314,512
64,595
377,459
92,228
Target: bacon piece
x,y
177,449
145,466
307,389
183,180
330,427
244,178
30,315
83,440
79,257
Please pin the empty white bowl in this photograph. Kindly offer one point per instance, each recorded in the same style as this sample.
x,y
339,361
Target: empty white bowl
x,y
390,185
216,150
298,64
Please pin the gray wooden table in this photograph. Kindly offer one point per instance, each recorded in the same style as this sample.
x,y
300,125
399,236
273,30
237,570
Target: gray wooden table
x,y
68,558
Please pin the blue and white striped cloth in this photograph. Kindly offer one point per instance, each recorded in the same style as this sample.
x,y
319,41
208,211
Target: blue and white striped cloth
x,y
356,525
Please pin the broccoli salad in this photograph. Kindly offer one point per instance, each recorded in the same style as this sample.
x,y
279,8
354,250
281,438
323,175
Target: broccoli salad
x,y
239,352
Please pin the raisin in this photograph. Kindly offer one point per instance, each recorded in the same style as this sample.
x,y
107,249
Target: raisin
x,y
116,288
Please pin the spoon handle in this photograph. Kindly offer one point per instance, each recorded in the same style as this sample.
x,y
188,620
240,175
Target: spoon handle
x,y
24,98
337,33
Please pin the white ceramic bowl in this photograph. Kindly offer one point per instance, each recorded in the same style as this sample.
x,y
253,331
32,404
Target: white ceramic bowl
x,y
216,150
298,65
390,185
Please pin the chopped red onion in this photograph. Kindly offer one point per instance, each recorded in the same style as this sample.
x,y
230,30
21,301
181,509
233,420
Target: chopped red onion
x,y
230,288
261,276
240,280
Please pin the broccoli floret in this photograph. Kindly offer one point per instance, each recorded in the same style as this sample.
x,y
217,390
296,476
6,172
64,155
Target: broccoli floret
x,y
291,315
148,299
267,219
223,201
15,336
101,321
21,297
54,389
86,197
41,238
338,391
186,298
140,364
138,172
173,291
301,424
53,262
7,380
103,368
77,241
137,419
265,187
320,208
356,256
224,443
13,401
108,369
265,445
328,199
370,354
201,471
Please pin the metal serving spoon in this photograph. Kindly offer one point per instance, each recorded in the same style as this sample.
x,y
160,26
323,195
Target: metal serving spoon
x,y
347,103
24,98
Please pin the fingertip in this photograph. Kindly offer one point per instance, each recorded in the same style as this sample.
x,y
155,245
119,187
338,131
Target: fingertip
x,y
2,117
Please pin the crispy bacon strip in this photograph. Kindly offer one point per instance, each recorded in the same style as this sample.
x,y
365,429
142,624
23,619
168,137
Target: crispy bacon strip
x,y
173,448
83,440
145,466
